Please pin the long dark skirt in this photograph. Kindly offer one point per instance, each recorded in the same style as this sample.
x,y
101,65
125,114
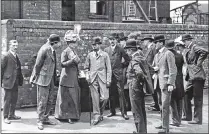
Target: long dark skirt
x,y
68,103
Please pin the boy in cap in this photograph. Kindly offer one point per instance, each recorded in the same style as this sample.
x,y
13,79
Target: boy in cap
x,y
99,67
194,55
44,76
138,75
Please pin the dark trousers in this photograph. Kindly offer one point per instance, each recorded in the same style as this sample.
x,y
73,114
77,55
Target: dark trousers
x,y
176,110
194,90
155,97
138,106
45,99
10,100
119,86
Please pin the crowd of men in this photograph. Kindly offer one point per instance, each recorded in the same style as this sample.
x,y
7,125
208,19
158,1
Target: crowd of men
x,y
171,70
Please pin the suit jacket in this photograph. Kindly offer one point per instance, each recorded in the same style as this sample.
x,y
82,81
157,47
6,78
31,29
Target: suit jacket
x,y
69,73
116,61
44,68
138,65
10,71
99,66
195,56
167,69
178,92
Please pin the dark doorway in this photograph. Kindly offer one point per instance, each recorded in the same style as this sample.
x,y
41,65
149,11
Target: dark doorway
x,y
68,10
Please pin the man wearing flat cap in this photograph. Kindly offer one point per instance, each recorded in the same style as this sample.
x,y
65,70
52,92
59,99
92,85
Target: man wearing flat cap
x,y
99,67
116,53
11,78
195,56
164,79
44,76
138,75
150,52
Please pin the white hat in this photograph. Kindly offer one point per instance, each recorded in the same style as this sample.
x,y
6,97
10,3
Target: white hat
x,y
178,40
70,36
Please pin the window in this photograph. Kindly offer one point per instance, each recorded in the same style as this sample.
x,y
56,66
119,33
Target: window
x,y
132,9
98,7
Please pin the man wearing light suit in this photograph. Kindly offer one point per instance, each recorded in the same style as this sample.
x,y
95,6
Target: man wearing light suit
x,y
99,67
44,76
11,78
164,79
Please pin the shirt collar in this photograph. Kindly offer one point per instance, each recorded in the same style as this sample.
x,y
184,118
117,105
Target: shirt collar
x,y
161,50
13,53
189,45
113,47
51,48
149,45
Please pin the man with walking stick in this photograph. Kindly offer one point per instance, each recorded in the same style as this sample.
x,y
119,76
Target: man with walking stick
x,y
99,67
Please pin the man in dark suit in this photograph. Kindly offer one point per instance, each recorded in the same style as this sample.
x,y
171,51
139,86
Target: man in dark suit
x,y
194,55
150,52
164,79
11,78
44,76
116,53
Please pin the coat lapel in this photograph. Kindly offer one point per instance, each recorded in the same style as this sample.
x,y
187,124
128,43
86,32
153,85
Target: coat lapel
x,y
160,55
115,50
12,56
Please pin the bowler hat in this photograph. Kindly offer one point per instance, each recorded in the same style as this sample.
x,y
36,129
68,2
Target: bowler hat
x,y
131,43
54,38
97,40
158,38
170,44
186,37
113,36
148,37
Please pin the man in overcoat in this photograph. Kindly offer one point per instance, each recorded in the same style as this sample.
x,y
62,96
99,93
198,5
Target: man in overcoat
x,y
99,67
11,78
44,76
116,53
194,55
164,79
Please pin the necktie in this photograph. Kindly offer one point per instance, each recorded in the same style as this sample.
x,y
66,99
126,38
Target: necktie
x,y
96,53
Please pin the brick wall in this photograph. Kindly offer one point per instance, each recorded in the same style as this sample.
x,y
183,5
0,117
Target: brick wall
x,y
32,34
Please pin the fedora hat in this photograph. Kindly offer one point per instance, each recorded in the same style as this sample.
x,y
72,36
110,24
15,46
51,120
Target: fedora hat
x,y
131,43
170,44
70,36
148,37
54,38
113,36
97,40
159,38
186,37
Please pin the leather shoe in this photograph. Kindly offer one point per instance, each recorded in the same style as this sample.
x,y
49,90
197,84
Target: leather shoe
x,y
125,117
159,127
7,121
40,126
110,115
14,117
49,123
95,122
175,124
194,122
185,119
70,121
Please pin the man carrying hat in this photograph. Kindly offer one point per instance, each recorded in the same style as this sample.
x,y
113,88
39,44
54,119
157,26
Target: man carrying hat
x,y
194,55
44,76
138,75
150,52
164,79
99,67
116,53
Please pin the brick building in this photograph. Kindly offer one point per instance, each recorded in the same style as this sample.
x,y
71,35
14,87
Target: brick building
x,y
80,10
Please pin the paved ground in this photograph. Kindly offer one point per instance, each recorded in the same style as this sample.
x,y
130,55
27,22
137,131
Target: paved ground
x,y
110,125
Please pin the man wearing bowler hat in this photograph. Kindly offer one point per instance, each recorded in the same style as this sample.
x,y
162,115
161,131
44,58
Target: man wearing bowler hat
x,y
44,76
150,52
194,55
99,67
138,75
116,53
164,79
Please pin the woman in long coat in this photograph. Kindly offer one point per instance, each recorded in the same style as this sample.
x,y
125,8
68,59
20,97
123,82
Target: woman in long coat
x,y
68,97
